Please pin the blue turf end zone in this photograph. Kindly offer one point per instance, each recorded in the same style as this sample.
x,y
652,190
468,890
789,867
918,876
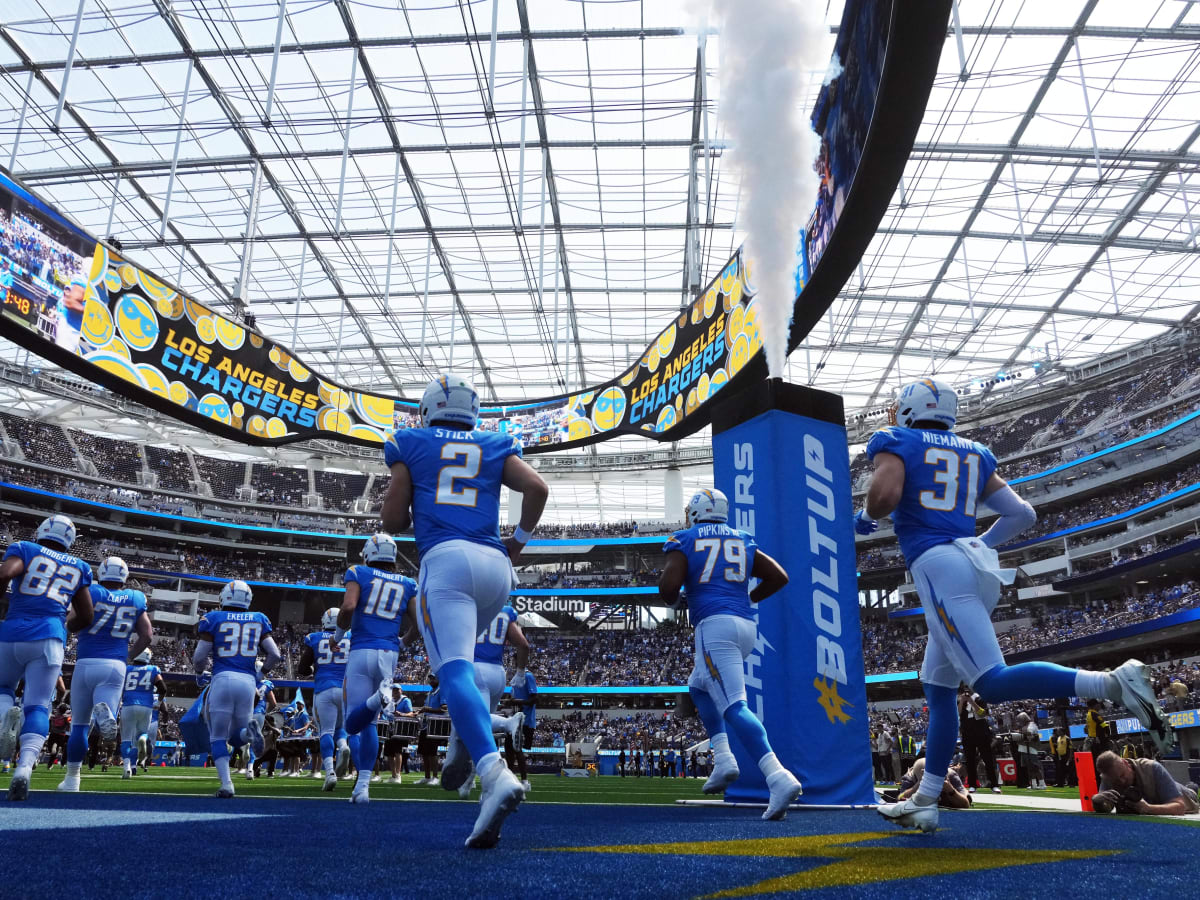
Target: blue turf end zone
x,y
129,845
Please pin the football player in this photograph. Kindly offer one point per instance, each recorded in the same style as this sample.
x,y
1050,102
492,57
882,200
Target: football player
x,y
373,612
446,479
328,658
232,636
147,742
101,651
457,773
33,634
716,563
932,483
141,681
264,701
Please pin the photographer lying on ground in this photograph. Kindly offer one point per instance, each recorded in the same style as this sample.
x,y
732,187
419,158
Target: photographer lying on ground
x,y
1140,787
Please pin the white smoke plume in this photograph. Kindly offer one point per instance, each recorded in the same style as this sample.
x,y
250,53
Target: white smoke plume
x,y
770,52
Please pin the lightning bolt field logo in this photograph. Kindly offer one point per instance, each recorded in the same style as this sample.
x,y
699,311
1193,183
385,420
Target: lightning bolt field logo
x,y
833,704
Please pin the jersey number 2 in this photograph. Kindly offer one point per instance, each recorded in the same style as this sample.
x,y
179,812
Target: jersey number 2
x,y
471,456
946,499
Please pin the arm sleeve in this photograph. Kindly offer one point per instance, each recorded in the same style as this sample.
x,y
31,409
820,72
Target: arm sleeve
x,y
200,655
1015,516
272,651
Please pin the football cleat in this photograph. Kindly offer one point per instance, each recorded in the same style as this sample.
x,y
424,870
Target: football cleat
x,y
330,782
225,793
126,774
526,786
502,795
458,767
342,768
18,788
907,814
1137,695
515,723
9,730
722,777
784,789
360,795
70,784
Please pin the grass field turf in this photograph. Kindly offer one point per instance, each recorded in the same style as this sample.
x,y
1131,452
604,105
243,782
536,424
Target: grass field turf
x,y
165,834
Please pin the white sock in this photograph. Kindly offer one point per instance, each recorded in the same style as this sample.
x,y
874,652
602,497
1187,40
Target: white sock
x,y
364,779
485,764
722,755
327,765
929,791
770,765
343,744
31,749
73,769
222,764
1100,685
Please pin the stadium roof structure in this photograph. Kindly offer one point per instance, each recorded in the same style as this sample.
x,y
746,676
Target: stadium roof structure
x,y
526,191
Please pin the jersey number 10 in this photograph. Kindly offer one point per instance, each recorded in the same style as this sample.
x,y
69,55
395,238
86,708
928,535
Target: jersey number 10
x,y
948,466
385,599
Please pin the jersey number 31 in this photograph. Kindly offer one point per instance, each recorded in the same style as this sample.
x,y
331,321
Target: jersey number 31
x,y
946,476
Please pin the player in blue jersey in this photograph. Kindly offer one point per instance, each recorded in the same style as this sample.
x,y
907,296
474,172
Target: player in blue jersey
x,y
932,483
232,636
264,701
714,563
147,741
46,581
99,677
328,658
374,607
524,694
141,681
458,773
446,479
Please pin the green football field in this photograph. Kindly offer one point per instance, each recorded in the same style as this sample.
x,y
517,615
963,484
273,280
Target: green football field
x,y
545,788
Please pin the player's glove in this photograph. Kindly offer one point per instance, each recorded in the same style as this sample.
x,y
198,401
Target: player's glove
x,y
518,679
202,680
863,524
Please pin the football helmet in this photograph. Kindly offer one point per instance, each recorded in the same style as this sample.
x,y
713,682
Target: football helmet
x,y
143,658
450,400
708,505
113,569
57,528
236,595
329,619
379,548
927,401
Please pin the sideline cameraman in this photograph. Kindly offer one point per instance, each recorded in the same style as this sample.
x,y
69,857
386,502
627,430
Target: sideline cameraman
x,y
1140,787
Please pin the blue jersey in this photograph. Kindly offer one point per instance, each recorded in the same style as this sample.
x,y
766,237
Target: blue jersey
x,y
403,705
139,685
719,560
434,700
383,597
528,691
114,616
154,710
236,634
37,605
489,646
455,482
329,659
264,687
944,478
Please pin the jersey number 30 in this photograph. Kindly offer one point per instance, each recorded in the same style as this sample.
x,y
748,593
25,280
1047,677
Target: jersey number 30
x,y
946,498
238,638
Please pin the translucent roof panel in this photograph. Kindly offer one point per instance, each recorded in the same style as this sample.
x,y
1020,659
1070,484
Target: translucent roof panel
x,y
412,197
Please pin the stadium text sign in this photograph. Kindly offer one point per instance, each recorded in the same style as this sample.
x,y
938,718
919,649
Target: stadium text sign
x,y
569,605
